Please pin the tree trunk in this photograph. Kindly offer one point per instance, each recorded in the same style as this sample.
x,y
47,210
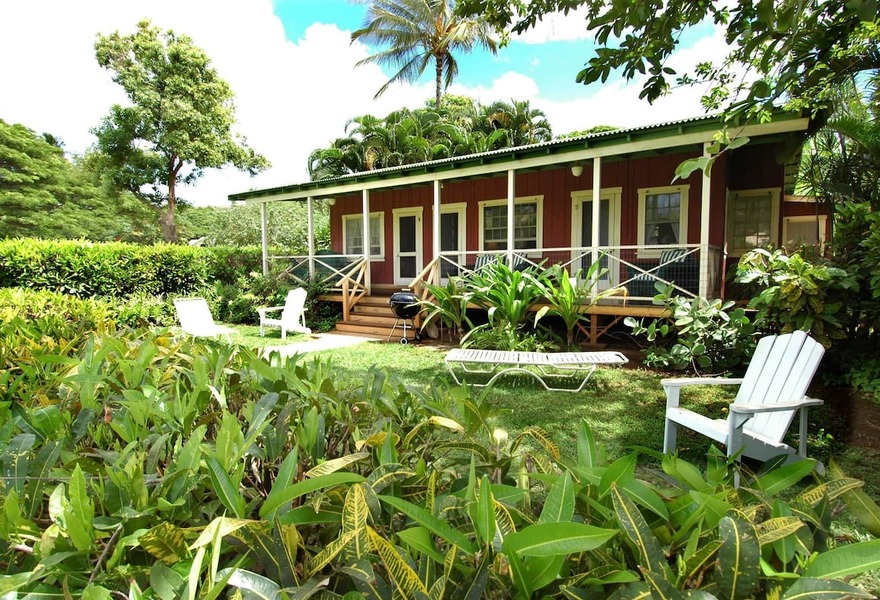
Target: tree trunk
x,y
169,227
438,62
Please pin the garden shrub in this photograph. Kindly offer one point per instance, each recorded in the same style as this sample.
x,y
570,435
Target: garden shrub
x,y
704,336
856,248
87,269
791,293
159,467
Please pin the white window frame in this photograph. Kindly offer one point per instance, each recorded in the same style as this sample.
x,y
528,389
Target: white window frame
x,y
360,217
823,223
539,228
775,194
684,190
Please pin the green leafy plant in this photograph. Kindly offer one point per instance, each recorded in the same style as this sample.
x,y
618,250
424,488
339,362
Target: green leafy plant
x,y
448,304
793,293
699,335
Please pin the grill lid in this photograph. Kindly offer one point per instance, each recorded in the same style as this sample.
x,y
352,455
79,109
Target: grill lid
x,y
404,304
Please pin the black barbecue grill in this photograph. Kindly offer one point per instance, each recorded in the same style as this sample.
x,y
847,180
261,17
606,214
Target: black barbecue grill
x,y
405,306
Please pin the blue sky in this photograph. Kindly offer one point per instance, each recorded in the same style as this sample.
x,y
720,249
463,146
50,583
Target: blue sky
x,y
291,65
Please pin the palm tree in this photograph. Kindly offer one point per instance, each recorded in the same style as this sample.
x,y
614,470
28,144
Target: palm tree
x,y
526,125
417,32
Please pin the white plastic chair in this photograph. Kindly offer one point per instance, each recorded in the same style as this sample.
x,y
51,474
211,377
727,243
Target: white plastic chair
x,y
293,317
196,320
770,393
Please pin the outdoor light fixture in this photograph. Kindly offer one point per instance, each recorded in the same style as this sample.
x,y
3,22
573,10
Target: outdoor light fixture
x,y
331,201
576,170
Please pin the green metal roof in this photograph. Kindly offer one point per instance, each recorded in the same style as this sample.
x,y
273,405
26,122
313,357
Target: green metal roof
x,y
605,139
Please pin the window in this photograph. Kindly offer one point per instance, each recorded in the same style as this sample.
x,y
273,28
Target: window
x,y
526,224
353,243
752,217
663,215
798,231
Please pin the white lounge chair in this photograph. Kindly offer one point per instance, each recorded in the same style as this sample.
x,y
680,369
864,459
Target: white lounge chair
x,y
293,317
770,393
196,320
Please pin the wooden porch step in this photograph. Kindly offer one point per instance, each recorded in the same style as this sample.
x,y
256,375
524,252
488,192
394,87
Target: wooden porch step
x,y
378,331
369,309
373,319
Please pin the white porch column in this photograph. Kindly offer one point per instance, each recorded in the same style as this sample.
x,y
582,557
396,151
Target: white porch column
x,y
311,225
511,197
435,226
366,237
264,236
705,199
597,197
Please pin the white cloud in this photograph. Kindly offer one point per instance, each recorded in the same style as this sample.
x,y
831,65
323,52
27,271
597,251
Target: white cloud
x,y
291,96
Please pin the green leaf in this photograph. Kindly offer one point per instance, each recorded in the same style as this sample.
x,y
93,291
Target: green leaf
x,y
438,526
225,488
807,588
79,511
255,585
166,583
420,540
851,559
556,539
331,466
286,474
482,512
633,524
857,500
304,487
589,454
782,478
400,572
620,471
739,567
559,505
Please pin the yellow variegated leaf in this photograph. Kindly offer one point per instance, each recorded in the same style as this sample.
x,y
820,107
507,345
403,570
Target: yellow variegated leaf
x,y
445,422
503,520
540,436
772,530
165,542
331,466
832,489
377,439
354,519
219,528
431,492
438,590
389,478
406,580
330,551
543,463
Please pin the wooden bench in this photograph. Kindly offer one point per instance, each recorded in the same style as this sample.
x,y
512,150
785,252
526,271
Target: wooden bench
x,y
543,365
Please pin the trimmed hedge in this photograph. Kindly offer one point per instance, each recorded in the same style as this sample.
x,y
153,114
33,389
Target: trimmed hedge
x,y
85,269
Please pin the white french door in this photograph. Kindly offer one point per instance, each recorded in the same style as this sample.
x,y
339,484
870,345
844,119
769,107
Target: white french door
x,y
407,244
582,231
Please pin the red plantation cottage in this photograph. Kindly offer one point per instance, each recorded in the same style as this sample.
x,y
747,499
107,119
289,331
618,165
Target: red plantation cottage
x,y
607,197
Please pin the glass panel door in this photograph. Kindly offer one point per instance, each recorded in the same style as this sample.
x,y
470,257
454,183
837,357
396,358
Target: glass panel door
x,y
407,245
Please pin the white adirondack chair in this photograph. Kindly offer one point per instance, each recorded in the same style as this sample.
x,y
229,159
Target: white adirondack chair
x,y
293,317
196,320
770,393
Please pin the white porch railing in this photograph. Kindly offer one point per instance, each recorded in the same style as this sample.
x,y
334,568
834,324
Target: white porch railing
x,y
636,268
343,274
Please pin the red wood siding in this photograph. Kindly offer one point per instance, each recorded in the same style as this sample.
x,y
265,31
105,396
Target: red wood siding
x,y
753,166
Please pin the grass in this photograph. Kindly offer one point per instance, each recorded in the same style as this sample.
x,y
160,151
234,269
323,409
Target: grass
x,y
250,337
624,406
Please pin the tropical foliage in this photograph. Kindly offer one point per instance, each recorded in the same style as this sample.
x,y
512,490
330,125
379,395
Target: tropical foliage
x,y
509,298
45,195
142,465
835,41
418,33
179,122
702,336
461,126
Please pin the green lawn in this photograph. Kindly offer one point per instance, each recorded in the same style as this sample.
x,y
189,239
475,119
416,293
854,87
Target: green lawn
x,y
624,406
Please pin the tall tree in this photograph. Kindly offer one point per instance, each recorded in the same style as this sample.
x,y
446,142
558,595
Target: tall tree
x,y
43,194
794,50
180,121
418,32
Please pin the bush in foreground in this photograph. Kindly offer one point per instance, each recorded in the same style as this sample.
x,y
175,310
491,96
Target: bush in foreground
x,y
157,467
